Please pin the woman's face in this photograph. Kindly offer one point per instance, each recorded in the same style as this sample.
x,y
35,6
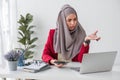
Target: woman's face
x,y
71,21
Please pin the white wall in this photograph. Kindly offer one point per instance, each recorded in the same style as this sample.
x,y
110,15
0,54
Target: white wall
x,y
102,15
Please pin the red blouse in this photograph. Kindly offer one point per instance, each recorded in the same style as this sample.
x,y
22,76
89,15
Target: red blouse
x,y
49,53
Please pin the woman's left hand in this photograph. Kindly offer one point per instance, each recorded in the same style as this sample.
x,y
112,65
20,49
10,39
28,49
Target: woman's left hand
x,y
93,36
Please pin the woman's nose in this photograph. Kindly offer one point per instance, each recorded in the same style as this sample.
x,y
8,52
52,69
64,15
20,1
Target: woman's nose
x,y
72,22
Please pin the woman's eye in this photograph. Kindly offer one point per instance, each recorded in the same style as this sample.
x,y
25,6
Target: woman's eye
x,y
69,20
75,19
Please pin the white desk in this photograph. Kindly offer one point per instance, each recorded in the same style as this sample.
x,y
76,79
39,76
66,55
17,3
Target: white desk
x,y
60,74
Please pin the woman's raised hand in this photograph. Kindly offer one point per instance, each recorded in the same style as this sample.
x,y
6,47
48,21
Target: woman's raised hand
x,y
93,36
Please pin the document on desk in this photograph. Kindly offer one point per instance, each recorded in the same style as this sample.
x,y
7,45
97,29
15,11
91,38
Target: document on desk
x,y
36,68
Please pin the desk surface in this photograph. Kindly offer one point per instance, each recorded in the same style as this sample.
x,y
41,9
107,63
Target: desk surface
x,y
62,73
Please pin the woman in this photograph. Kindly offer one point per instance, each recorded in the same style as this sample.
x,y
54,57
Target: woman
x,y
68,41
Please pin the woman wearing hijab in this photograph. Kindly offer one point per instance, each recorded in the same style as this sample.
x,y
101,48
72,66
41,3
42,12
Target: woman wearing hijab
x,y
68,42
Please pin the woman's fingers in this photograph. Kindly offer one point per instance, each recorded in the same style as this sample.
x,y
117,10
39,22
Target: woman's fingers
x,y
98,38
59,65
94,36
95,32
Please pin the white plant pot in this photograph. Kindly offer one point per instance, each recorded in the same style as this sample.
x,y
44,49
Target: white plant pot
x,y
12,65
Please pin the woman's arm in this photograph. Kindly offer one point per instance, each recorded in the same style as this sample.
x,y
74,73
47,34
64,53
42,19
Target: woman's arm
x,y
85,47
90,37
48,52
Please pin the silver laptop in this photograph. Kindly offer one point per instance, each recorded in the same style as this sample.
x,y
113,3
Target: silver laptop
x,y
97,62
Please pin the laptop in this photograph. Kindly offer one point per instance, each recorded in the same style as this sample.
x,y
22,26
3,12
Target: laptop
x,y
97,62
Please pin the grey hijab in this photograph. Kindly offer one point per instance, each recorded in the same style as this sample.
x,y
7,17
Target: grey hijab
x,y
66,42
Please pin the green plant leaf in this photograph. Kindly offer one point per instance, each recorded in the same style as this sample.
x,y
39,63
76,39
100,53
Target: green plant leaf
x,y
31,46
30,27
33,40
22,40
22,29
21,20
29,18
31,32
28,36
21,33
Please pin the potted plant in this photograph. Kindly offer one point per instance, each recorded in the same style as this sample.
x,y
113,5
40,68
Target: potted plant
x,y
26,39
12,57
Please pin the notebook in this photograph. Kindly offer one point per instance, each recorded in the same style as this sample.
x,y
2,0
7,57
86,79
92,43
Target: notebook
x,y
36,67
98,62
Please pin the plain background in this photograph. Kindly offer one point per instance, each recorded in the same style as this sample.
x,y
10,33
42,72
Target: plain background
x,y
101,15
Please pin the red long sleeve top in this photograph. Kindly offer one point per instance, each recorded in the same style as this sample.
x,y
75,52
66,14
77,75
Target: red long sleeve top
x,y
49,53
